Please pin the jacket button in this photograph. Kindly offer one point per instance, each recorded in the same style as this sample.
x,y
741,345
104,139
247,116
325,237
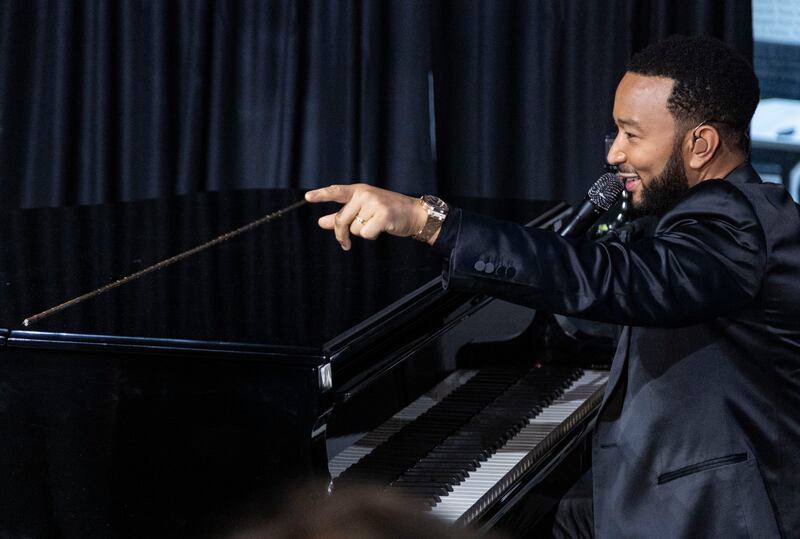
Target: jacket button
x,y
479,265
510,272
489,268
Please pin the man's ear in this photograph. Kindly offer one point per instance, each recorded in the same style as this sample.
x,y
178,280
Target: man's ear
x,y
700,145
704,144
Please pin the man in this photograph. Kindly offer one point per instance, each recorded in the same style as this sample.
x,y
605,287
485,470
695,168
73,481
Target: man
x,y
699,431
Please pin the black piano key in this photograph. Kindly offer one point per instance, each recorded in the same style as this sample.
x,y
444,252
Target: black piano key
x,y
464,464
426,478
429,489
434,493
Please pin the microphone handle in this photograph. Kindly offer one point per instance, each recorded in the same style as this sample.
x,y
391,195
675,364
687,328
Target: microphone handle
x,y
586,215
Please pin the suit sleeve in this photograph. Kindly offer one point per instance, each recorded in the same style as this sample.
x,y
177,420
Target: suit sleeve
x,y
707,256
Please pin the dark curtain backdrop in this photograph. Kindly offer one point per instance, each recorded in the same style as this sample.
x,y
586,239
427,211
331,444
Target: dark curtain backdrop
x,y
103,101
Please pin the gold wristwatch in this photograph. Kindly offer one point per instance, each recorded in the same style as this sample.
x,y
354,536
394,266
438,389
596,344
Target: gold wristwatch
x,y
437,211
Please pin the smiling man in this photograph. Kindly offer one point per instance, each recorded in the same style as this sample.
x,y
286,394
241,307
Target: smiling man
x,y
699,431
669,126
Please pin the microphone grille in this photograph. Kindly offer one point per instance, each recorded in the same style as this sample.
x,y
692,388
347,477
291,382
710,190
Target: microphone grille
x,y
605,191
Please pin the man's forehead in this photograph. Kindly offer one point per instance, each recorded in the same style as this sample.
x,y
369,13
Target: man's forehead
x,y
639,97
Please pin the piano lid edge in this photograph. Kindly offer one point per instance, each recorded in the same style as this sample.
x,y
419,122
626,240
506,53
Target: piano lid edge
x,y
549,217
376,323
421,324
297,355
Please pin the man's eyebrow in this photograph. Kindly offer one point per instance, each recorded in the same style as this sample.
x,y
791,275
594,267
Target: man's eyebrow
x,y
624,122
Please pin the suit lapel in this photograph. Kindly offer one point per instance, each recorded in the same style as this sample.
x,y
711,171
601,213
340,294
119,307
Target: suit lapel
x,y
617,365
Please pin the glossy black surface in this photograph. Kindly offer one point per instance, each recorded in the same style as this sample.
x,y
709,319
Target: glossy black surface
x,y
181,403
284,284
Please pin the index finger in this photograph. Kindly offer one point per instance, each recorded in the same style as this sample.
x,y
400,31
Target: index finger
x,y
332,193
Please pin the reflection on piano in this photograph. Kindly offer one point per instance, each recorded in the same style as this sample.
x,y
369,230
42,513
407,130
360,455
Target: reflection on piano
x,y
181,402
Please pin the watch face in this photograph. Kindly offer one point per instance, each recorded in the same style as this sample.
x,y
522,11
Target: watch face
x,y
436,205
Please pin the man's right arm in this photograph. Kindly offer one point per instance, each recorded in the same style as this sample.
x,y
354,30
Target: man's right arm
x,y
707,257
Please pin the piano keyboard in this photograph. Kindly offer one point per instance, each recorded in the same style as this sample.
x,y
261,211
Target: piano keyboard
x,y
457,447
501,465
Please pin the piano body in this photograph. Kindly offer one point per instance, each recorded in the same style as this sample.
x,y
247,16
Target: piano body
x,y
175,404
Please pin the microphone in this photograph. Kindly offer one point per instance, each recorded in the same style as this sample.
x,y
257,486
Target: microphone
x,y
602,194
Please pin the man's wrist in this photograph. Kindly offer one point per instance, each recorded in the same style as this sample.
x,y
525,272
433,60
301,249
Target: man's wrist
x,y
434,237
420,217
435,211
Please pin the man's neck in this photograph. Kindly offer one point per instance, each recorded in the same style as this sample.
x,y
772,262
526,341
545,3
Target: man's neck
x,y
720,168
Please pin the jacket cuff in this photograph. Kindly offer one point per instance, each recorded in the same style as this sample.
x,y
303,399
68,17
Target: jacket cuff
x,y
446,241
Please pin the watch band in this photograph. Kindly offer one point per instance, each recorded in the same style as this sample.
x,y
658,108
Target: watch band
x,y
437,212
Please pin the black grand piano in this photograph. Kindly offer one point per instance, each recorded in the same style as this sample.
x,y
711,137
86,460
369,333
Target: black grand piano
x,y
173,405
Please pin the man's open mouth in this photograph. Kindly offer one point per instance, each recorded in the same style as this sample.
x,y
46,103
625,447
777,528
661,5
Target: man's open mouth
x,y
631,180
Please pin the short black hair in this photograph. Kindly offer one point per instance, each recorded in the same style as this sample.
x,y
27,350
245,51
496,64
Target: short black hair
x,y
713,83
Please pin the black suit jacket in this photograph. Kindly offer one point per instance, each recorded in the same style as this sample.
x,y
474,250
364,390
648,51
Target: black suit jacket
x,y
699,432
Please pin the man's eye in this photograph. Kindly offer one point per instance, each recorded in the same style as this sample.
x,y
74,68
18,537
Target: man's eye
x,y
629,135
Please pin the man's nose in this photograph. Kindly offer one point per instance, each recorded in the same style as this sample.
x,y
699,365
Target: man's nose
x,y
615,154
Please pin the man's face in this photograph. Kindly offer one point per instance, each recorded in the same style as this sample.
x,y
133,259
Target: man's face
x,y
650,160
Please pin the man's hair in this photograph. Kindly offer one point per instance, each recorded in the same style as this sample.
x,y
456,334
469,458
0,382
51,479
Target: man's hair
x,y
713,84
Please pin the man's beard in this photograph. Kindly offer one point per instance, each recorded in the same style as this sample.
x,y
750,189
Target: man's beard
x,y
665,190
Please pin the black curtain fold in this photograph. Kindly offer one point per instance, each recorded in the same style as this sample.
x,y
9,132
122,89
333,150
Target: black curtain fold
x,y
731,21
104,101
537,80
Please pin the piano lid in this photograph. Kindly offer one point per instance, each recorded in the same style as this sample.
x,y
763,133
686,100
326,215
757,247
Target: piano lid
x,y
283,285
